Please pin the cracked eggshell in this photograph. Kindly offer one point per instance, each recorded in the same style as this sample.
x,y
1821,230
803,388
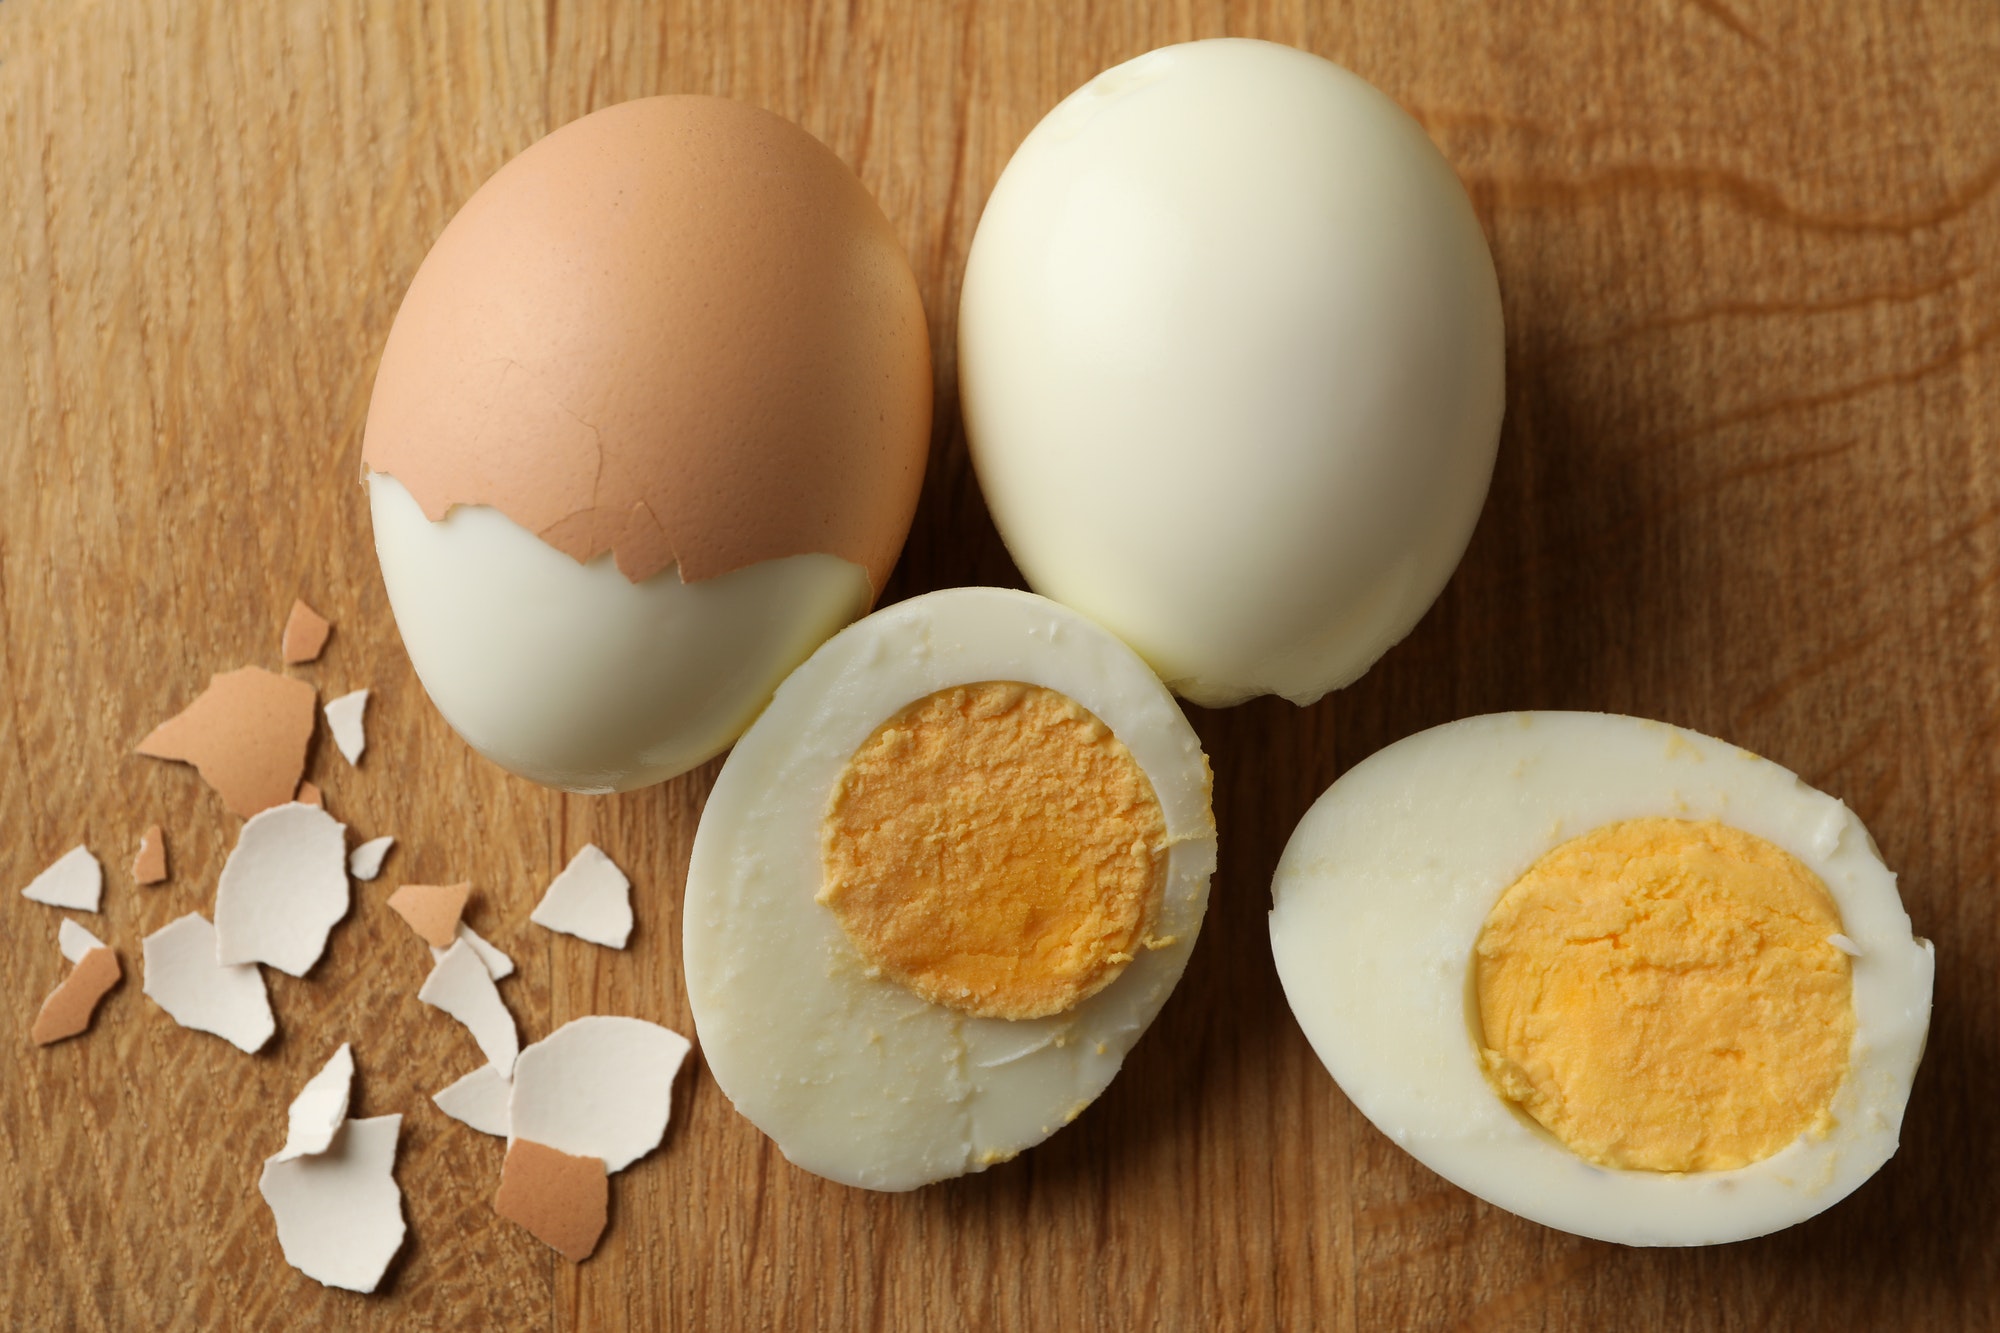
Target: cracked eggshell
x,y
591,899
319,1110
462,985
75,881
74,941
855,1077
283,889
600,1086
498,965
340,1212
479,1099
677,345
365,862
183,978
246,734
343,719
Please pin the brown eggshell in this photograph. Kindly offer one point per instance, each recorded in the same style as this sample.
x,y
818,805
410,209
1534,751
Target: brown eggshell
x,y
679,330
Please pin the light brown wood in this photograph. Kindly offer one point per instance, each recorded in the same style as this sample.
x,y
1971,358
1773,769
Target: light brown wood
x,y
1749,483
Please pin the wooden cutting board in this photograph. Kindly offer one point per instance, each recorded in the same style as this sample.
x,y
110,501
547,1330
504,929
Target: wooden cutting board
x,y
1749,483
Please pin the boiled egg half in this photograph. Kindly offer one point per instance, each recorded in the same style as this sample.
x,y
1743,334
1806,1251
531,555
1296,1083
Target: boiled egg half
x,y
1616,977
943,884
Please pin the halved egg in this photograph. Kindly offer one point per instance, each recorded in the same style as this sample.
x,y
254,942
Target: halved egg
x,y
1619,978
943,884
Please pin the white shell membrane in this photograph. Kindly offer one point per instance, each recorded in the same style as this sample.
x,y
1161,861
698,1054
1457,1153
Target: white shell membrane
x,y
856,1077
1380,896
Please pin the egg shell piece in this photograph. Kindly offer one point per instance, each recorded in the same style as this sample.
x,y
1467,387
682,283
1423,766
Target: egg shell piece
x,y
1231,362
432,911
149,863
1382,891
74,941
304,635
600,1086
479,1099
283,889
320,1109
498,964
572,675
183,978
365,862
678,329
562,1199
343,719
856,1078
461,986
75,882
69,1007
246,734
340,1212
591,899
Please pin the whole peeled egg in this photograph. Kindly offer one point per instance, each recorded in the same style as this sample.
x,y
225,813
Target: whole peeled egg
x,y
1231,358
649,427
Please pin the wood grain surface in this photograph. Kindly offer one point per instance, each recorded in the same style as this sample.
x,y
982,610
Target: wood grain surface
x,y
1748,483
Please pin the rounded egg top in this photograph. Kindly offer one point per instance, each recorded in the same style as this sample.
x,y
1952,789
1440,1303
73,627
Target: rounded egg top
x,y
679,330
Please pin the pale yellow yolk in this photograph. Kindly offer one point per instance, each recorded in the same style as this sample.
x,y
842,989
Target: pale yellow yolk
x,y
1662,995
996,849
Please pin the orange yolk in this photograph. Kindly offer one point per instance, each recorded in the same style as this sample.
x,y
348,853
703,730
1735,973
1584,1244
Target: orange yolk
x,y
1663,995
996,849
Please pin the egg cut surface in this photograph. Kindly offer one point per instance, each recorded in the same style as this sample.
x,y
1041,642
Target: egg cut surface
x,y
1231,364
1614,976
649,426
942,885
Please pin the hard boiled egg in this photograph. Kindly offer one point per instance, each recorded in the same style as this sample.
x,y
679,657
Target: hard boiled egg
x,y
1230,354
1619,978
942,885
650,424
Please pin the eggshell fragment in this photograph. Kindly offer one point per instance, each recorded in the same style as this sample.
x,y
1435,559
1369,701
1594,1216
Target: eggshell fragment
x,y
343,719
591,899
678,330
70,1005
75,881
365,862
283,889
305,634
149,865
183,978
75,941
562,1200
340,1212
479,1100
246,734
600,1086
310,794
320,1108
462,987
498,964
432,910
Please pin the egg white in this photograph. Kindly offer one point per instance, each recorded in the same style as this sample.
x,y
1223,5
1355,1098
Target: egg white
x,y
571,674
854,1076
1231,363
1380,896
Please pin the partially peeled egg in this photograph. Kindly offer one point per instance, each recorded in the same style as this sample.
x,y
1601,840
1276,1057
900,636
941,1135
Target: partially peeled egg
x,y
649,426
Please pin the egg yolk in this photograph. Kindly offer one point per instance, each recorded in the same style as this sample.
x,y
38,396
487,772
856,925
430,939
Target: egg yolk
x,y
1664,995
996,849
